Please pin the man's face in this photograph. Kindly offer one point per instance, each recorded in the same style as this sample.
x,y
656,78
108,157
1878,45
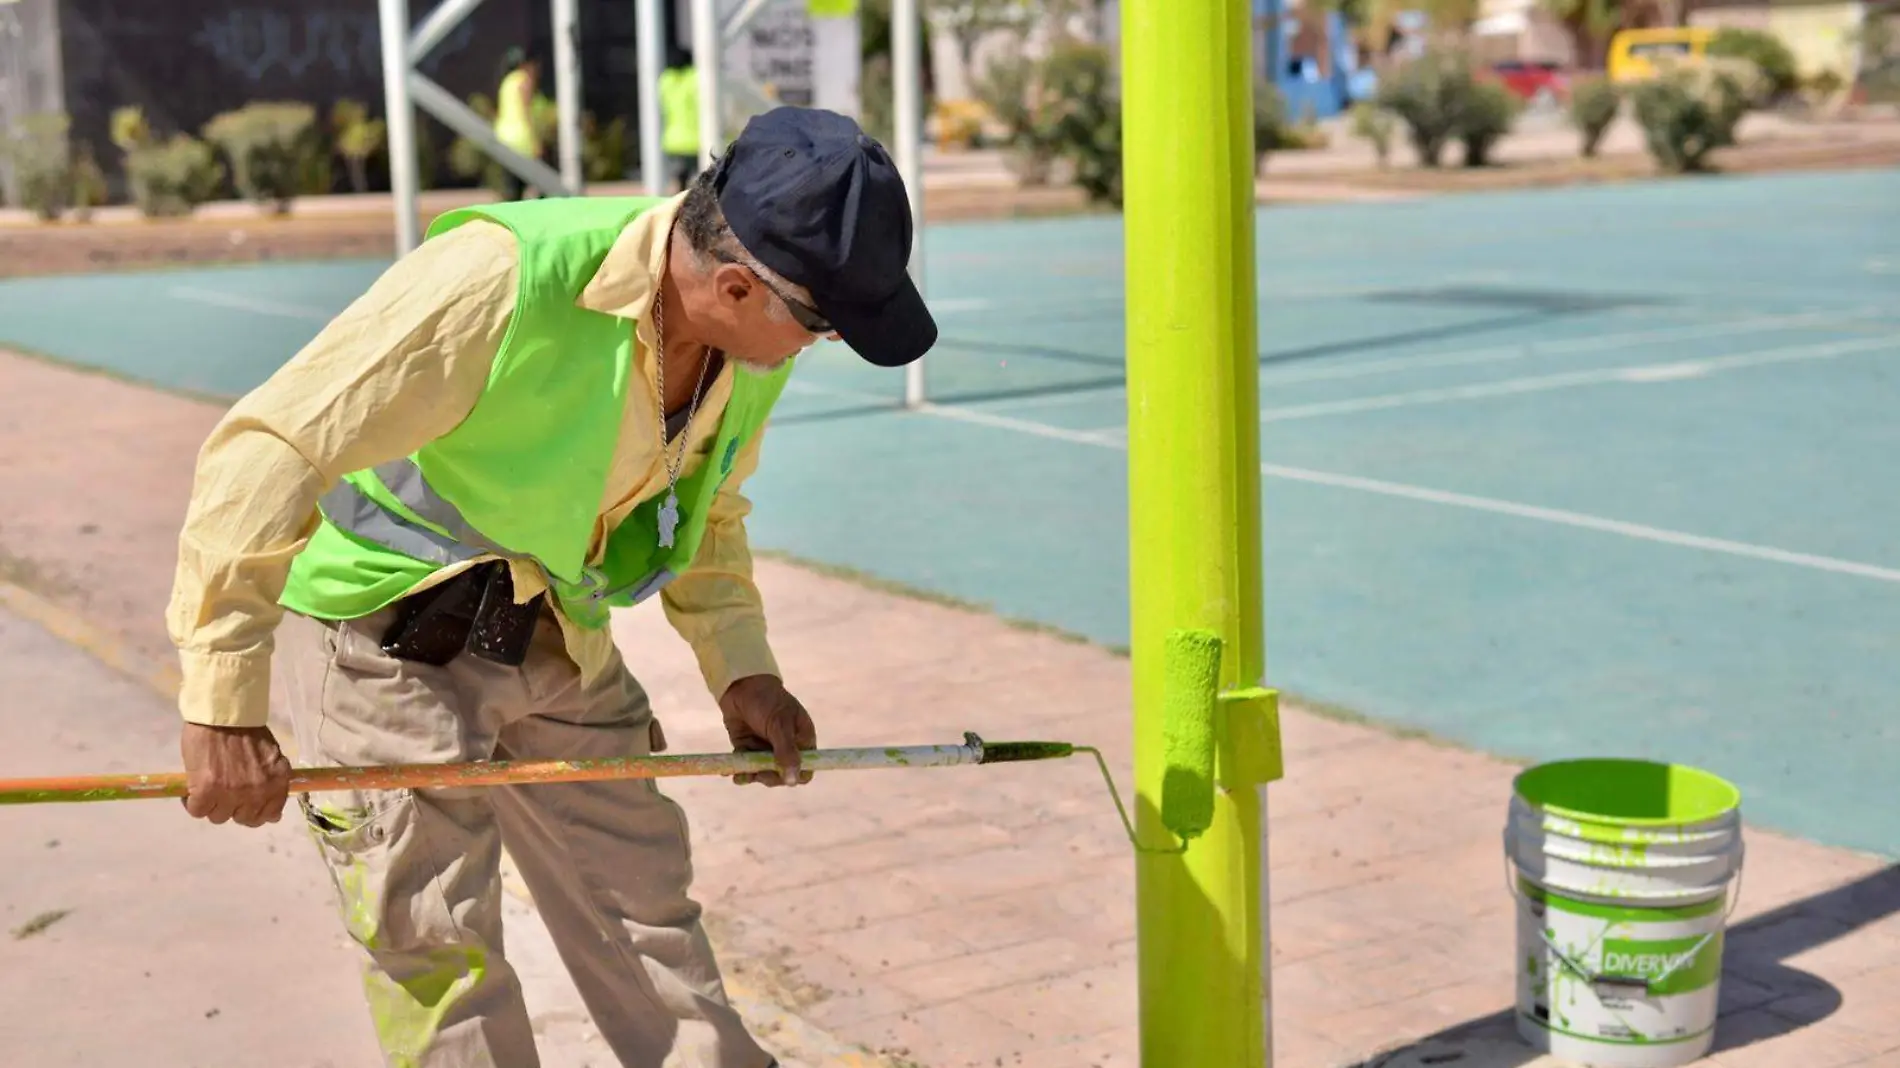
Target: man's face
x,y
770,321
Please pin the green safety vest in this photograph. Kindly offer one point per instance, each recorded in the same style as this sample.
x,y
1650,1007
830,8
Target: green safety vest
x,y
523,476
679,99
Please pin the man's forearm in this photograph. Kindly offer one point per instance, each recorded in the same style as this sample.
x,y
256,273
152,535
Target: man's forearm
x,y
254,506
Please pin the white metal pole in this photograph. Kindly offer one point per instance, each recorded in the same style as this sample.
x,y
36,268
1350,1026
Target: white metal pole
x,y
393,16
908,111
437,25
567,91
651,57
706,57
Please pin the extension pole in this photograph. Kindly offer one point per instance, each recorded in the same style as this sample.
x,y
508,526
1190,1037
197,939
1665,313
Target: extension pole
x,y
1194,516
973,750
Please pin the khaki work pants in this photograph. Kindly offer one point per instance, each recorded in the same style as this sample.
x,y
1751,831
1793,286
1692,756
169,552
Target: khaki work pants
x,y
417,873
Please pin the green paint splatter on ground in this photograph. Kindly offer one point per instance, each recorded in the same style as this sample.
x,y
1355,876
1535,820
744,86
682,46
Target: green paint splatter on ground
x,y
39,924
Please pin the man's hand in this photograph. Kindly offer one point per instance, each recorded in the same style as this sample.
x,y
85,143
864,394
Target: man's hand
x,y
762,717
234,773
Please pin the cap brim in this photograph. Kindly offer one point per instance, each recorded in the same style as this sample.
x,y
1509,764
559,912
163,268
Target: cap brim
x,y
891,333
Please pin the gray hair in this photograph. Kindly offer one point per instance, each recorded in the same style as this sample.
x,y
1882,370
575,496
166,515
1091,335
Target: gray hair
x,y
709,237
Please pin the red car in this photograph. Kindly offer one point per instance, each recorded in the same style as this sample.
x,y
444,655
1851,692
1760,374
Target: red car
x,y
1533,80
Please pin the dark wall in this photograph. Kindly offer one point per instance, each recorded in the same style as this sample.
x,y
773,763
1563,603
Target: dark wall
x,y
184,61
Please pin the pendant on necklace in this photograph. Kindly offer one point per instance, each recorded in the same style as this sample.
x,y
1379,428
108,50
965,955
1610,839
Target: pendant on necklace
x,y
669,519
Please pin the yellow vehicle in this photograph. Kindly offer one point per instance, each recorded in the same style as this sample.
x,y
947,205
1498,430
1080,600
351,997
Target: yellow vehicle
x,y
1633,52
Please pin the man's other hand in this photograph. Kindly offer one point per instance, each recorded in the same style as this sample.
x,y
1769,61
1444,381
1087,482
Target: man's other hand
x,y
762,717
234,773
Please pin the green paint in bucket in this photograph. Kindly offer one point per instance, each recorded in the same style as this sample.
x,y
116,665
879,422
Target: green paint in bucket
x,y
1623,872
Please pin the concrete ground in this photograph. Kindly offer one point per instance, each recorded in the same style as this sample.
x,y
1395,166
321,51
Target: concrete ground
x,y
933,918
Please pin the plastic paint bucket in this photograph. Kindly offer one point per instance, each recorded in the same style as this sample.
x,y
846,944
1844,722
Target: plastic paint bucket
x,y
1622,870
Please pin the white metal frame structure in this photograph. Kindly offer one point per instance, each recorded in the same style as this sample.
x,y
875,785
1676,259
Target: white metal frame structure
x,y
407,88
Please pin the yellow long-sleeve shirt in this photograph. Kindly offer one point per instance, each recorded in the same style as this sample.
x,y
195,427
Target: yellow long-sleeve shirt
x,y
400,367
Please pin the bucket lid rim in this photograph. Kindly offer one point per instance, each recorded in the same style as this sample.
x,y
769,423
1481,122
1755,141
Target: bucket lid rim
x,y
1731,795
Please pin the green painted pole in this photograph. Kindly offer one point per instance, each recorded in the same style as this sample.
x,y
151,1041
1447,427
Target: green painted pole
x,y
1194,517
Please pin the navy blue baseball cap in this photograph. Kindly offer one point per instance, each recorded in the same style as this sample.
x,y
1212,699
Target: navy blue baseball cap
x,y
818,200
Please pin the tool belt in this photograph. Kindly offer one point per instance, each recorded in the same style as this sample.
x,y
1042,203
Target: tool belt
x,y
474,612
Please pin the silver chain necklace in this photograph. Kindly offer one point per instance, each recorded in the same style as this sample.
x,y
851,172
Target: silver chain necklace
x,y
670,508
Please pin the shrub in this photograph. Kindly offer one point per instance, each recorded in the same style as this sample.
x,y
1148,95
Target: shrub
x,y
129,129
958,124
89,189
172,177
1079,113
1006,89
874,89
1377,125
269,146
1270,130
42,162
1765,51
1307,135
545,116
1823,86
1428,95
358,138
1688,112
468,160
1487,115
603,148
1877,43
1594,103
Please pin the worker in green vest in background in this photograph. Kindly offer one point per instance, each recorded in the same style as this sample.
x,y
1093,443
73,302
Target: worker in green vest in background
x,y
679,125
514,114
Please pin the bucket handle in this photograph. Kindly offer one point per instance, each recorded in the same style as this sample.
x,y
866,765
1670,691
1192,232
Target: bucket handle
x,y
1609,984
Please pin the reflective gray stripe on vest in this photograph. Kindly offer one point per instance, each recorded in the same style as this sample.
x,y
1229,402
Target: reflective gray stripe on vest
x,y
404,479
642,589
351,510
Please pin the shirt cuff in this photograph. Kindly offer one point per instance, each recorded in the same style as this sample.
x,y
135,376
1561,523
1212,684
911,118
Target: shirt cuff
x,y
224,689
733,653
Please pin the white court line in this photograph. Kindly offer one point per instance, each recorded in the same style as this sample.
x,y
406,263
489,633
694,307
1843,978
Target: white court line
x,y
1663,372
1266,291
1470,502
257,305
1595,343
1523,351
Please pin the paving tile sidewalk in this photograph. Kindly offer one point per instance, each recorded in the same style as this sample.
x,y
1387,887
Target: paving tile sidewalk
x,y
953,917
970,916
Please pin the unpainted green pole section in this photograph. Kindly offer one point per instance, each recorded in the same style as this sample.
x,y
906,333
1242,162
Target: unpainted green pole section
x,y
1194,522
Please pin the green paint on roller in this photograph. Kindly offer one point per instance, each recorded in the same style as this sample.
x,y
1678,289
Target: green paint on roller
x,y
1192,668
1010,752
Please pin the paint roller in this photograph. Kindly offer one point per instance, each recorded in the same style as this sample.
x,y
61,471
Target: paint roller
x,y
1191,706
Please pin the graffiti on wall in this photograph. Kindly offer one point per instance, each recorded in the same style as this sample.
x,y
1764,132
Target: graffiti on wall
x,y
261,42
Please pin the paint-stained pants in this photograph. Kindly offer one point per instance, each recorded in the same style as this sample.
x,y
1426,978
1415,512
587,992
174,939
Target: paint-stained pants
x,y
418,872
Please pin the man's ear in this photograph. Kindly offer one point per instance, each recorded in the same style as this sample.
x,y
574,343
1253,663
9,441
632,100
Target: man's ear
x,y
733,283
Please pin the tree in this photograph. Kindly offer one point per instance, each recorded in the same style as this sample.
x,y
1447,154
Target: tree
x,y
967,21
1590,24
1450,20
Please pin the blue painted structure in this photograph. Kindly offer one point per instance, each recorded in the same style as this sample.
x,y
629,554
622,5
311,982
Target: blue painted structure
x,y
1309,93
